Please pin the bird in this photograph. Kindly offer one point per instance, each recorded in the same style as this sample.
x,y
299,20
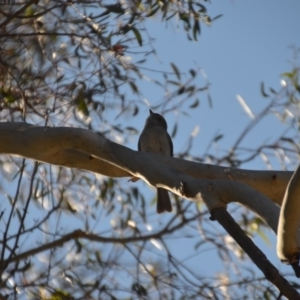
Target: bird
x,y
155,138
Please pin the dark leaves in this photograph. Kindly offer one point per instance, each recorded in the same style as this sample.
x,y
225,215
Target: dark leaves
x,y
138,36
262,90
176,71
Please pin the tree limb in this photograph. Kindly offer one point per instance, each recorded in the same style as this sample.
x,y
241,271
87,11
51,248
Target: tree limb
x,y
288,228
74,147
80,148
258,257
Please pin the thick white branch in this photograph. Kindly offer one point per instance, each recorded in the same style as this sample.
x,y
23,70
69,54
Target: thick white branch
x,y
60,146
75,148
288,230
80,148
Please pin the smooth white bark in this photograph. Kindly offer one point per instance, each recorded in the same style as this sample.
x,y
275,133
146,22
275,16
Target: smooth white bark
x,y
75,148
289,221
216,186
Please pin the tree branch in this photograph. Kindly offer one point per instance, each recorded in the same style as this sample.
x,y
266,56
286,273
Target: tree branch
x,y
66,146
76,234
257,256
288,228
56,146
79,148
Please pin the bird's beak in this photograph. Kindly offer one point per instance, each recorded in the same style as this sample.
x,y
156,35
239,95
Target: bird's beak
x,y
151,112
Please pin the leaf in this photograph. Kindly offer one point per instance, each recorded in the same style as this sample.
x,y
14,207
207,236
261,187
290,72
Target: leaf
x,y
81,105
185,17
181,90
171,16
190,90
137,36
207,20
273,91
29,12
135,193
115,8
174,131
193,72
202,8
195,104
110,182
218,137
59,78
173,82
69,207
139,289
209,100
8,96
60,295
199,244
176,71
99,257
26,267
288,140
196,29
141,61
262,90
133,87
153,11
216,17
78,246
264,237
288,74
131,129
135,111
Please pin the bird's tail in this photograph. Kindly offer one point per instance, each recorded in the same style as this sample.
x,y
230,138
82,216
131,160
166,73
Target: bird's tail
x,y
163,201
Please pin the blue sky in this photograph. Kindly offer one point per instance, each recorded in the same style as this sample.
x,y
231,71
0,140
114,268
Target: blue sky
x,y
251,43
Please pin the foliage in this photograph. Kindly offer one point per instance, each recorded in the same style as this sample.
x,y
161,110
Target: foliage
x,y
69,234
64,58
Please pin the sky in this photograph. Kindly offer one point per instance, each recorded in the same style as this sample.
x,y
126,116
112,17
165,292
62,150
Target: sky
x,y
251,43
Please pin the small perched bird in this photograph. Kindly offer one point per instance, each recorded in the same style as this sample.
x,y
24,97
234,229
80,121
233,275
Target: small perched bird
x,y
155,138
